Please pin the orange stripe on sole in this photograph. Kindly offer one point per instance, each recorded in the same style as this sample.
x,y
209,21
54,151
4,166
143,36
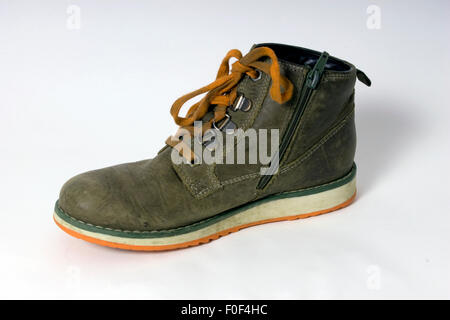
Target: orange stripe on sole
x,y
201,240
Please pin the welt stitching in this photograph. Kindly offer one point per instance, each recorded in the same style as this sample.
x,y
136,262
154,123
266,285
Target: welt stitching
x,y
134,231
183,227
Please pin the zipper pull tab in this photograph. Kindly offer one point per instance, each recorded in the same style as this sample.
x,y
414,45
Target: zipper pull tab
x,y
363,78
313,77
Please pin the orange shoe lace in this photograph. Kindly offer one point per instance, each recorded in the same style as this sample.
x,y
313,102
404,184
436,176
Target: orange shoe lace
x,y
223,91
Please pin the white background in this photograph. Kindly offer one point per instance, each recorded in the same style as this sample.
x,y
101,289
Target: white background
x,y
76,100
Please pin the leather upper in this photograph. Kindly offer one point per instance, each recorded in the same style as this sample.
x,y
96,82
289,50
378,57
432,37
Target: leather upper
x,y
157,194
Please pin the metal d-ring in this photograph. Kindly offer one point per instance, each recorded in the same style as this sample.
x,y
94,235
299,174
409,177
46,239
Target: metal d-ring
x,y
228,119
242,103
259,75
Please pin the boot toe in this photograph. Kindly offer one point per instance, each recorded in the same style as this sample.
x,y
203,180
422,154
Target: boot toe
x,y
89,198
82,196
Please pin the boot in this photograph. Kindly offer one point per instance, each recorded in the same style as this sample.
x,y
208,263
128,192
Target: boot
x,y
206,183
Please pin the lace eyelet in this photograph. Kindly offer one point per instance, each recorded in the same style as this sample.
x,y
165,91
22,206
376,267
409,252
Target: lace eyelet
x,y
223,124
258,77
242,103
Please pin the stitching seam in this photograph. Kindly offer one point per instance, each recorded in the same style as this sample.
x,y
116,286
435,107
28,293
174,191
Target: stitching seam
x,y
296,162
313,149
193,224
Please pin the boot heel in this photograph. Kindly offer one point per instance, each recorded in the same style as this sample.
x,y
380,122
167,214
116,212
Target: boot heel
x,y
315,201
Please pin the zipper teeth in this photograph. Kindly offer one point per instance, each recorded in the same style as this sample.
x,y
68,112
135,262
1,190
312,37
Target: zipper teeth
x,y
296,117
309,84
288,135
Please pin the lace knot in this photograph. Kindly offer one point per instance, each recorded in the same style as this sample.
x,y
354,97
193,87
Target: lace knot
x,y
223,91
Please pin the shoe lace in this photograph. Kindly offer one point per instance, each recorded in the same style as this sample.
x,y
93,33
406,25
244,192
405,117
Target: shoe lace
x,y
222,92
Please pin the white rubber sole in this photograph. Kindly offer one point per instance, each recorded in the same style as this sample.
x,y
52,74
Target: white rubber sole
x,y
288,207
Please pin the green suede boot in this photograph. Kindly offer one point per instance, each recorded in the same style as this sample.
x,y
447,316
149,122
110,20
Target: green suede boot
x,y
207,182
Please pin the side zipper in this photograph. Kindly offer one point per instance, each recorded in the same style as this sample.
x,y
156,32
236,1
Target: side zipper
x,y
312,80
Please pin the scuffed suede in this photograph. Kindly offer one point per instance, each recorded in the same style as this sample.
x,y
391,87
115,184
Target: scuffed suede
x,y
157,194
